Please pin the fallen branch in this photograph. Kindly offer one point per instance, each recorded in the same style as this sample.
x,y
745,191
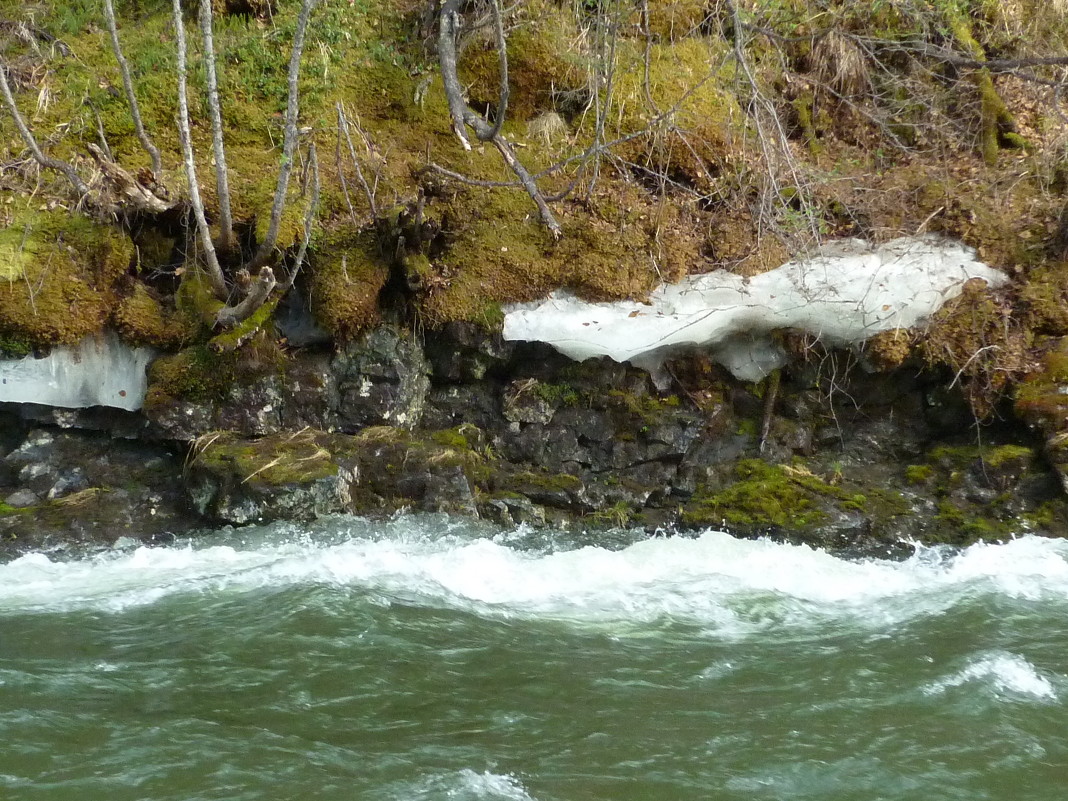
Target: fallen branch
x,y
229,316
136,196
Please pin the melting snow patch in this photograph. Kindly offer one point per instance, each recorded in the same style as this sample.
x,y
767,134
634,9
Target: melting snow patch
x,y
847,292
100,371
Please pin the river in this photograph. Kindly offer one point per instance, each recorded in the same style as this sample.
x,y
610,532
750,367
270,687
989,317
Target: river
x,y
428,658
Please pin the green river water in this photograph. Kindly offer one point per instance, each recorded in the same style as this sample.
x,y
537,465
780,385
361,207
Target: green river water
x,y
425,658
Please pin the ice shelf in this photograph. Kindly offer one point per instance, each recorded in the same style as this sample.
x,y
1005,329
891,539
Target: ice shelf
x,y
845,293
99,371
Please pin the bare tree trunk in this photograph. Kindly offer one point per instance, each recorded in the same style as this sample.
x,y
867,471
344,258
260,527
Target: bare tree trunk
x,y
27,137
463,115
222,180
215,274
309,218
230,316
263,254
131,98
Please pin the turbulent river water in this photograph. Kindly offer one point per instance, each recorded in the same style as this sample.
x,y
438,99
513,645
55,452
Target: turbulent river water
x,y
426,658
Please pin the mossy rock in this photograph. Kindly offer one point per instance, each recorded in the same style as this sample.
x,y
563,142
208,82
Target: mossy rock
x,y
61,272
141,319
760,496
345,285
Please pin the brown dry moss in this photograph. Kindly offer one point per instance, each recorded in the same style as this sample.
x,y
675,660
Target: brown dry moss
x,y
889,349
977,338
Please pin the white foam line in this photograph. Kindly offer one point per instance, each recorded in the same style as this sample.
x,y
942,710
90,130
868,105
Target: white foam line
x,y
713,580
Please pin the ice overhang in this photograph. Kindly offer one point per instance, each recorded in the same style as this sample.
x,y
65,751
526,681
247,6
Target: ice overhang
x,y
845,293
99,371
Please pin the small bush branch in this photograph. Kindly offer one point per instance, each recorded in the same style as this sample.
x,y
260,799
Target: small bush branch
x,y
215,274
45,161
222,180
289,144
343,128
309,218
127,84
463,115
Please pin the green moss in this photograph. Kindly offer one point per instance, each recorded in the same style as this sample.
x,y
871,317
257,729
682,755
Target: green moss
x,y
963,525
451,438
645,410
762,495
12,347
552,482
194,374
918,473
557,394
619,515
61,274
196,303
1006,454
348,276
141,319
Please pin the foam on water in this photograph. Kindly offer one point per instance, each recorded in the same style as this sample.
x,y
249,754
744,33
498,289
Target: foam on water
x,y
713,581
1004,673
466,785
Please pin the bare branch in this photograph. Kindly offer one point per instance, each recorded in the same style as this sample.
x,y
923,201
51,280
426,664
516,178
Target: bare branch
x,y
502,66
215,274
222,181
289,144
27,137
343,127
127,83
448,28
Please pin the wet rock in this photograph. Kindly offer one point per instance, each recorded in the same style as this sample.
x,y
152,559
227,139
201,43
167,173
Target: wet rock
x,y
457,404
309,394
80,487
511,510
524,402
466,352
21,498
382,379
182,420
252,409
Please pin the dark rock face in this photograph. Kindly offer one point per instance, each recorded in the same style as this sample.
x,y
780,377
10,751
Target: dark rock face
x,y
517,434
382,379
75,487
379,379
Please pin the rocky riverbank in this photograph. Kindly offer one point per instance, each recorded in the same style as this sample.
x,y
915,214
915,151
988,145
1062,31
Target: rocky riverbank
x,y
825,452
